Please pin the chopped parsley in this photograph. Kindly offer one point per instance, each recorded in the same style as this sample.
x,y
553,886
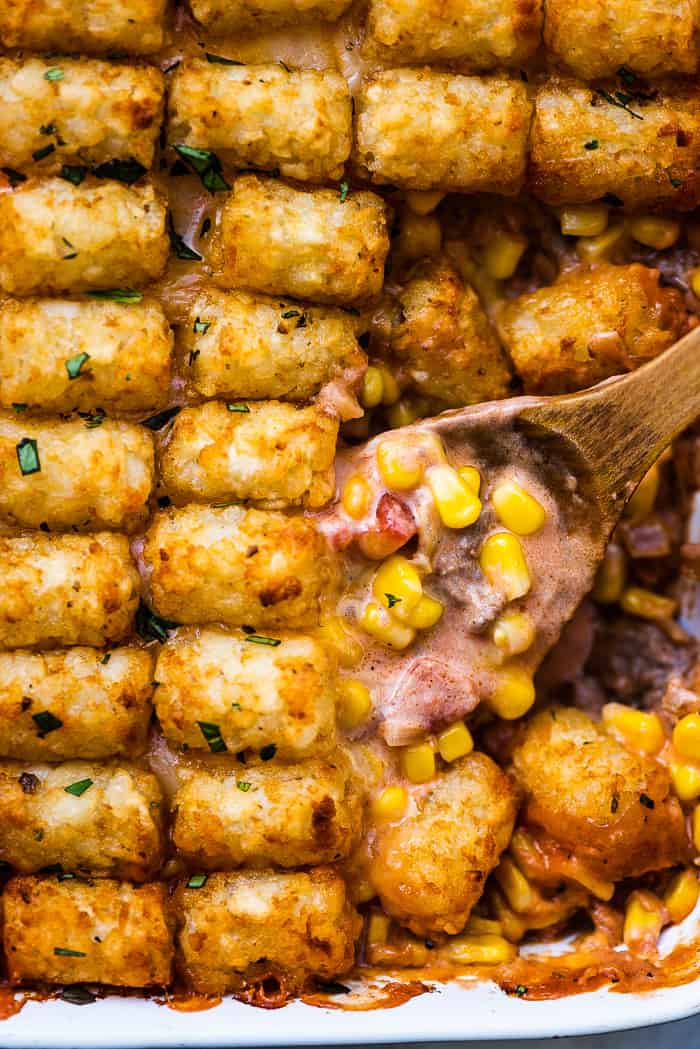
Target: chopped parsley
x,y
47,129
93,419
55,73
620,99
39,154
205,164
243,408
520,990
182,250
68,952
78,788
192,357
593,144
268,752
105,659
128,171
65,876
260,639
212,734
391,600
219,60
158,421
13,177
28,456
74,364
197,881
74,173
150,626
77,995
126,295
290,313
201,327
19,406
73,254
344,190
242,785
646,801
46,722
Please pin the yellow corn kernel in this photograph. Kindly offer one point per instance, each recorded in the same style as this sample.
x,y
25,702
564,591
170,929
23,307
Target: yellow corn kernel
x,y
643,924
390,387
517,509
502,254
456,502
345,647
399,466
584,220
419,235
481,950
655,232
377,621
418,762
646,604
454,742
681,895
397,586
372,387
696,827
611,576
686,736
403,413
593,249
695,281
377,928
642,500
686,781
355,703
422,202
514,885
390,804
356,497
426,614
514,693
503,563
513,632
471,477
639,730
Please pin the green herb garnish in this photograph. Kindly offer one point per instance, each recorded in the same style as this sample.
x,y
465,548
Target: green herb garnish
x,y
205,164
212,734
242,785
152,627
268,752
67,952
127,171
243,408
28,456
197,881
219,60
646,801
78,788
158,421
39,154
46,722
13,177
55,73
260,639
74,364
74,173
344,190
593,144
392,600
127,295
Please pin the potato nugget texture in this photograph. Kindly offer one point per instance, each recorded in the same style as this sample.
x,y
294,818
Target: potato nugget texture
x,y
99,703
242,927
56,237
232,16
269,815
239,567
482,34
254,693
270,453
73,931
316,245
590,324
96,112
66,590
651,159
612,808
439,335
596,39
96,26
102,819
422,130
241,345
298,122
76,477
429,870
61,355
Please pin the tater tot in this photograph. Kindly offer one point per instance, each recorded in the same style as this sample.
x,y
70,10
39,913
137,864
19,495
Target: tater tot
x,y
438,333
67,475
644,36
266,815
298,122
95,112
66,590
241,345
590,324
318,244
482,34
649,159
241,928
420,129
75,931
96,26
429,870
271,453
233,16
56,237
60,355
98,703
240,567
103,819
255,694
583,788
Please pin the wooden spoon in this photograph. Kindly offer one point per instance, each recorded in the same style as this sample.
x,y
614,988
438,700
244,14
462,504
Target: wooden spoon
x,y
583,455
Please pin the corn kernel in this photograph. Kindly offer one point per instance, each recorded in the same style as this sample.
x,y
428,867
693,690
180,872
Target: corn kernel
x,y
386,628
403,413
454,742
422,202
390,804
481,950
655,232
502,254
643,924
696,827
418,762
641,731
517,509
471,477
593,249
399,466
346,648
611,576
477,926
419,235
397,586
514,885
681,895
390,387
646,604
456,502
372,387
503,563
514,693
513,632
695,281
584,220
426,614
356,497
642,500
686,736
355,703
378,928
686,781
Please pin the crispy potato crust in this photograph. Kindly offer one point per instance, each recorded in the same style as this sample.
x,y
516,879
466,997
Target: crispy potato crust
x,y
94,26
232,16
